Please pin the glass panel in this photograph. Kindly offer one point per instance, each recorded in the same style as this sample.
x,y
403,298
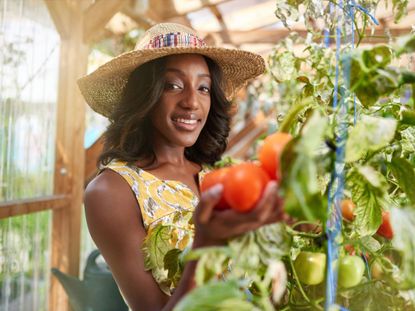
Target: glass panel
x,y
248,14
25,262
28,89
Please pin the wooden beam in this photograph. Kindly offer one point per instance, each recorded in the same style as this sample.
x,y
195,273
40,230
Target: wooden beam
x,y
193,8
224,33
23,207
91,158
60,13
274,35
70,157
98,15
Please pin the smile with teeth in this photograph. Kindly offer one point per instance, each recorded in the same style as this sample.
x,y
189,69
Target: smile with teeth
x,y
186,121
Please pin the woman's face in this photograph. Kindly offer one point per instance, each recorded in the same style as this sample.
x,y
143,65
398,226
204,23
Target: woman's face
x,y
184,105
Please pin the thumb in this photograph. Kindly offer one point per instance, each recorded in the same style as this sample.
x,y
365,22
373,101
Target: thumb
x,y
208,200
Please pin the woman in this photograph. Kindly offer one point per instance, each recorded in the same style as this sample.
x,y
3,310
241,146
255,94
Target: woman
x,y
167,103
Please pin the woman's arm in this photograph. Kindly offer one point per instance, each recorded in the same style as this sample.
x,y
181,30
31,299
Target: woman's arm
x,y
114,221
115,224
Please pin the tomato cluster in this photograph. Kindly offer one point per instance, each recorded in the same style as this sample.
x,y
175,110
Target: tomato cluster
x,y
385,229
244,183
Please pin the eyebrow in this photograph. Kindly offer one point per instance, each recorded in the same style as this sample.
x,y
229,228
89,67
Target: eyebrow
x,y
201,75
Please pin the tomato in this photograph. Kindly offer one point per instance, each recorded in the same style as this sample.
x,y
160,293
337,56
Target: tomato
x,y
347,207
385,228
212,178
350,249
310,267
270,153
351,269
243,186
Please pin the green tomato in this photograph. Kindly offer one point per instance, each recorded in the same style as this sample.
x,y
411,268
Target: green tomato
x,y
310,267
351,269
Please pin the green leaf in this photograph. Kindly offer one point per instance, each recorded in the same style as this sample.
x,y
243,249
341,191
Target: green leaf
x,y
367,188
373,296
273,241
408,139
172,262
370,243
284,66
407,45
292,115
403,225
379,56
408,117
287,10
213,295
370,134
372,176
404,173
156,245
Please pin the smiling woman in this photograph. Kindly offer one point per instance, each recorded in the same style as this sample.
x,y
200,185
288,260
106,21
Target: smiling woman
x,y
168,106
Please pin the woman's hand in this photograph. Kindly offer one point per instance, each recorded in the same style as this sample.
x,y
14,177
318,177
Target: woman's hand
x,y
214,227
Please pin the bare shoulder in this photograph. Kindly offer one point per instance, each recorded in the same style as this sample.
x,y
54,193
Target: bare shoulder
x,y
110,208
109,192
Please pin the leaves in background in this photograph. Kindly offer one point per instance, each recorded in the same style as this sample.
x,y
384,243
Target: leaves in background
x,y
403,224
368,193
224,296
405,176
369,134
302,195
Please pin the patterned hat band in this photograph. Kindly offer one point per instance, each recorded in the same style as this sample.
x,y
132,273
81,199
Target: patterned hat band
x,y
175,39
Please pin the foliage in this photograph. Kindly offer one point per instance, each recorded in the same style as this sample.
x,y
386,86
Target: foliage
x,y
373,124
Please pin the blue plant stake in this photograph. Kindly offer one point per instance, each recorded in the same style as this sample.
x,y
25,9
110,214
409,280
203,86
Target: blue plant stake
x,y
336,186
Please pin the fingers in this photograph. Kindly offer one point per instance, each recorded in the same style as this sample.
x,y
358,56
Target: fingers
x,y
208,200
265,206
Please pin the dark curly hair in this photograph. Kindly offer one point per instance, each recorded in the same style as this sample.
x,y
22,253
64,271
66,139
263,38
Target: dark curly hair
x,y
128,137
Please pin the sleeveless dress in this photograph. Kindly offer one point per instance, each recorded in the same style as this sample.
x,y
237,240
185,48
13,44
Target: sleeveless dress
x,y
161,202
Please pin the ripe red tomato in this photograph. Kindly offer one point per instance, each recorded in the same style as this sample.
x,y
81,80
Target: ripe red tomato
x,y
385,228
212,178
243,186
347,207
270,153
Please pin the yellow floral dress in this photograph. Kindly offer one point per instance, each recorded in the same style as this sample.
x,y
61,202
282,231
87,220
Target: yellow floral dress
x,y
164,202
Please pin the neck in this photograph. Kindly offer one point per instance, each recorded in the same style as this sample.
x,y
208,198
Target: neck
x,y
168,154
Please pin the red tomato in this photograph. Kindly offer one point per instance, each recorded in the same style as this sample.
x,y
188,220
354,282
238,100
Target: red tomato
x,y
385,228
350,249
212,178
271,151
347,207
243,186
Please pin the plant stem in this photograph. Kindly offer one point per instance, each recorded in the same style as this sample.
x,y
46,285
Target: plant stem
x,y
312,303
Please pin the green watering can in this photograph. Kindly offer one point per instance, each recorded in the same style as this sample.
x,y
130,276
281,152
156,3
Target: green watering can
x,y
97,292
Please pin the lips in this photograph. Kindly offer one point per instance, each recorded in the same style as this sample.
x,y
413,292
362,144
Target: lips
x,y
186,122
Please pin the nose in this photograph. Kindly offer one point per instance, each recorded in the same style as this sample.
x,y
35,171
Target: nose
x,y
189,99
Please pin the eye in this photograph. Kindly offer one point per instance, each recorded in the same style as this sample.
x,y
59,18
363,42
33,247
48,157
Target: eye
x,y
204,89
172,86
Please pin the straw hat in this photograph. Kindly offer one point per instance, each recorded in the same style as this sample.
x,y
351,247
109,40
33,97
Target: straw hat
x,y
103,88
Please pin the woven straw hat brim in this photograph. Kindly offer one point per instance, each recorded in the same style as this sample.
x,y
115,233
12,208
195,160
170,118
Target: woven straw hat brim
x,y
103,88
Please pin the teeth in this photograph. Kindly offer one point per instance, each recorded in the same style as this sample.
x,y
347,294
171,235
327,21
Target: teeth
x,y
186,121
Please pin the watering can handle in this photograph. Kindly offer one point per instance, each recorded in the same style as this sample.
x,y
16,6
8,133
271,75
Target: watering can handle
x,y
91,261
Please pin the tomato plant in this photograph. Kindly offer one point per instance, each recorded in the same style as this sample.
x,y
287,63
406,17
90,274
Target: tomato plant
x,y
243,186
347,207
351,269
385,228
270,153
310,267
212,178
